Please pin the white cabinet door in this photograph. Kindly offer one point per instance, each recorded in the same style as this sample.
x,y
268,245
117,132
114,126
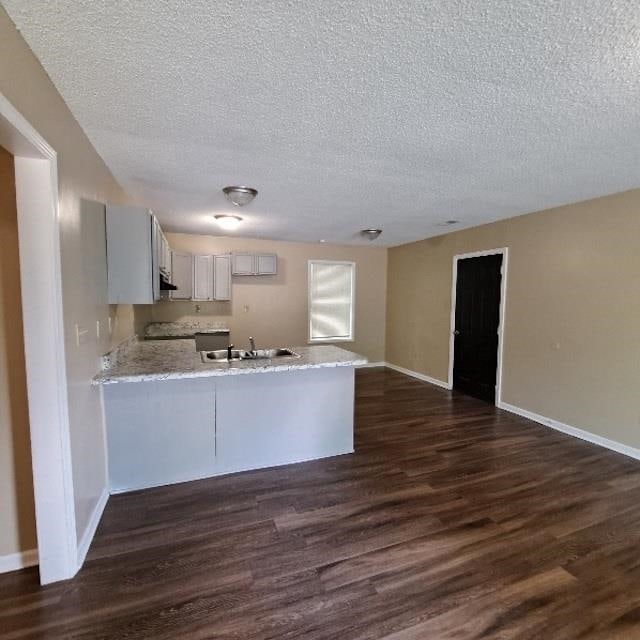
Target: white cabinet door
x,y
164,257
243,264
167,259
130,259
156,262
160,432
253,430
166,250
182,275
158,252
266,264
222,277
202,277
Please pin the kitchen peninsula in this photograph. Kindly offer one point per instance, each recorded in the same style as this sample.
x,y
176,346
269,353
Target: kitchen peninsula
x,y
172,417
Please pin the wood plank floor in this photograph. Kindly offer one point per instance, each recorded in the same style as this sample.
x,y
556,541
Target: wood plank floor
x,y
452,520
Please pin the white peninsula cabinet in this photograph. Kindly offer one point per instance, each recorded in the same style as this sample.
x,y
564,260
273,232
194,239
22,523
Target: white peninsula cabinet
x,y
165,431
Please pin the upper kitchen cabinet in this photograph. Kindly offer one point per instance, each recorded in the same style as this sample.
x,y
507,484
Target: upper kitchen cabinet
x,y
242,264
202,277
212,277
163,251
266,264
254,264
182,275
222,277
132,258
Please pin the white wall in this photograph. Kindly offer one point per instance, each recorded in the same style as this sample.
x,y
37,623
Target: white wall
x,y
571,348
83,177
88,454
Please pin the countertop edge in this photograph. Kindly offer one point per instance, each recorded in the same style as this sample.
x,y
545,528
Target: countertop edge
x,y
104,378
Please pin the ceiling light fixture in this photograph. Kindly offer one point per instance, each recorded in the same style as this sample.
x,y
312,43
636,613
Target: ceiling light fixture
x,y
240,196
371,234
228,223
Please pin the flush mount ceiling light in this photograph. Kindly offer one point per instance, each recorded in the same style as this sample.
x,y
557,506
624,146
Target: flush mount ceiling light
x,y
371,234
228,223
240,196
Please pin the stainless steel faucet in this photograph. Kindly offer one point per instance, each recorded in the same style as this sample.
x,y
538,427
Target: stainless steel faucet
x,y
252,342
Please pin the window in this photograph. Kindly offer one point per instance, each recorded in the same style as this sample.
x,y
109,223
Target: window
x,y
331,295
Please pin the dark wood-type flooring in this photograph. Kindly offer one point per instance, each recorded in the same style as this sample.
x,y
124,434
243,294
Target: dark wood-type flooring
x,y
453,520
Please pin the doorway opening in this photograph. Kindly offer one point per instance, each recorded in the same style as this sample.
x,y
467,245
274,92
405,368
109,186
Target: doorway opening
x,y
477,323
17,535
36,195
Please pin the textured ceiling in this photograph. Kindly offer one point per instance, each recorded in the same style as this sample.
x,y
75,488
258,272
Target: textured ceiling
x,y
350,113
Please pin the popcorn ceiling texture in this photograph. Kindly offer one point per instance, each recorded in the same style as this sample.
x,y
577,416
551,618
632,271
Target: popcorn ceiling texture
x,y
350,114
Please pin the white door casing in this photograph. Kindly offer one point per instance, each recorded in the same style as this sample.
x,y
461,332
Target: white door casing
x,y
40,272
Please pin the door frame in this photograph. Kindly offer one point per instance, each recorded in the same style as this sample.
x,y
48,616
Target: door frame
x,y
36,176
504,251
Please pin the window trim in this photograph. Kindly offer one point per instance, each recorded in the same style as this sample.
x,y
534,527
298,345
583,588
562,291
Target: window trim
x,y
351,337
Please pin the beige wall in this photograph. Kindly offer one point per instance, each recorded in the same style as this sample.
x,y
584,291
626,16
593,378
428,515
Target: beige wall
x,y
16,489
83,177
572,337
277,305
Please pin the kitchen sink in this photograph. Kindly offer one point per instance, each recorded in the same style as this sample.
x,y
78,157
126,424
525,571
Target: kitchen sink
x,y
272,353
222,355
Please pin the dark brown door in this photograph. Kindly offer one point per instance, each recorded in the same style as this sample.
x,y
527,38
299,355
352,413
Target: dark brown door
x,y
477,319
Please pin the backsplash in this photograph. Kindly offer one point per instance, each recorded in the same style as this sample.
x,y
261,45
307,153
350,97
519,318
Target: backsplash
x,y
118,353
184,327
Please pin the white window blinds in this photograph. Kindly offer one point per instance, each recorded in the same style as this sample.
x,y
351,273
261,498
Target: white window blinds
x,y
331,295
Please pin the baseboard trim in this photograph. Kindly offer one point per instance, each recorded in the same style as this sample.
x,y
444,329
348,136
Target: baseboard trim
x,y
20,560
419,376
90,531
371,364
222,474
593,438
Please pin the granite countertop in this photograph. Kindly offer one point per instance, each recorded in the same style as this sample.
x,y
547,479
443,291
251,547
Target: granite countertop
x,y
182,329
139,361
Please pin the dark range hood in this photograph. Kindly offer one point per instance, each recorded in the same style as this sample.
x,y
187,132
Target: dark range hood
x,y
165,285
